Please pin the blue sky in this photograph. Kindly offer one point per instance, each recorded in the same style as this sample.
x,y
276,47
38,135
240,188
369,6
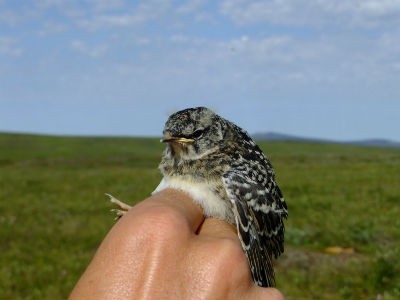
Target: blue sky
x,y
327,69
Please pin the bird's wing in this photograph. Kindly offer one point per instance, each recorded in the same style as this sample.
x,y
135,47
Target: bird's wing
x,y
258,209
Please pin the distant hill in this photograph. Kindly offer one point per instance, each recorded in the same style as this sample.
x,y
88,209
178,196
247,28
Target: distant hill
x,y
273,136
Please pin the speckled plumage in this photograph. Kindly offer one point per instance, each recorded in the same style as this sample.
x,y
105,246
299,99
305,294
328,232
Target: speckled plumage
x,y
227,174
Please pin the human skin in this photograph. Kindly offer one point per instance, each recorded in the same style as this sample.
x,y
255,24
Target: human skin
x,y
163,248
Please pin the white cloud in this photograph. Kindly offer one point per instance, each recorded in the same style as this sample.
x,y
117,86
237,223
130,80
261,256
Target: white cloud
x,y
106,21
144,12
370,8
190,6
8,17
91,51
8,46
52,28
104,5
91,5
268,64
362,13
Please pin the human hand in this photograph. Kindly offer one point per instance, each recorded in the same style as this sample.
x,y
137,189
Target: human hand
x,y
163,248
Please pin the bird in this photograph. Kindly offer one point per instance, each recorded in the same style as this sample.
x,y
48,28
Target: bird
x,y
224,171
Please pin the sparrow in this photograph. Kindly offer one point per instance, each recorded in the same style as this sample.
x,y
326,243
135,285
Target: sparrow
x,y
223,170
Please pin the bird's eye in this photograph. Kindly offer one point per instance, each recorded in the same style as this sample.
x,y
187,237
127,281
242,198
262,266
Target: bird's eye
x,y
198,133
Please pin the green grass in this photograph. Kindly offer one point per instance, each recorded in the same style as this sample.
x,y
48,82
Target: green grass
x,y
53,213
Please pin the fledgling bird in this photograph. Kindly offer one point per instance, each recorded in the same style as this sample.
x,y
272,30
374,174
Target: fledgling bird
x,y
227,174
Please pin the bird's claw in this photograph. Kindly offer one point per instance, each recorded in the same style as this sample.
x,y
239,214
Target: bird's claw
x,y
118,213
123,206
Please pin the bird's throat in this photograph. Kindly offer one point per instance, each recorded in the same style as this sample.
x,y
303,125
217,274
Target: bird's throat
x,y
178,149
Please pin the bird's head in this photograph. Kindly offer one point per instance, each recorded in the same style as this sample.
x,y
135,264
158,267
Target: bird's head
x,y
193,132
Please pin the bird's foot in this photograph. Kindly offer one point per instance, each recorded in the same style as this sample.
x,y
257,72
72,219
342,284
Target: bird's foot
x,y
123,207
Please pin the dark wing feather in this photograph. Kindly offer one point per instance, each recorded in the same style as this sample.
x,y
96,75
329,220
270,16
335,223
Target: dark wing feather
x,y
258,209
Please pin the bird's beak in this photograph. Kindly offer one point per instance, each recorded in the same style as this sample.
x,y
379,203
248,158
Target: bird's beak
x,y
177,139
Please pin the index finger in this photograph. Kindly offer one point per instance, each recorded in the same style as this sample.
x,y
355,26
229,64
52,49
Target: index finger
x,y
172,202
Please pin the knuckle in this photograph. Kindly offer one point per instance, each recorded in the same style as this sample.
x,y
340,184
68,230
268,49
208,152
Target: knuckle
x,y
228,255
162,223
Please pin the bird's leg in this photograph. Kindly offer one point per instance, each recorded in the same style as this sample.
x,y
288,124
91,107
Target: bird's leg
x,y
123,207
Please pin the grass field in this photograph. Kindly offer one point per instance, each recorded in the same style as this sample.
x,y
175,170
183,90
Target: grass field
x,y
53,213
